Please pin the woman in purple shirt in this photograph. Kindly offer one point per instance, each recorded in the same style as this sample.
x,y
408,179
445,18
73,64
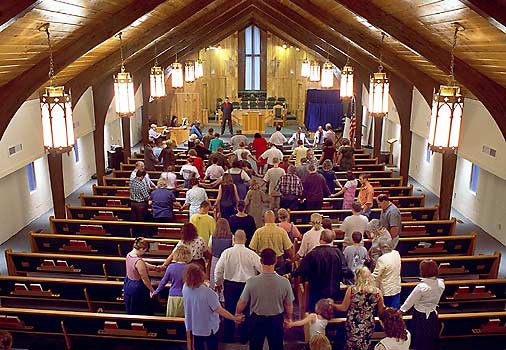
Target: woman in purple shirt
x,y
174,273
202,309
163,202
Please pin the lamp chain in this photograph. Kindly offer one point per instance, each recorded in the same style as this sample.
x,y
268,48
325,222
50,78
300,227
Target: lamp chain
x,y
51,62
452,62
156,53
381,52
347,53
121,52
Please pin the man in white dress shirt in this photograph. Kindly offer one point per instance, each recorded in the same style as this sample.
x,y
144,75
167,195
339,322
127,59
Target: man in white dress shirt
x,y
270,154
235,266
298,135
277,138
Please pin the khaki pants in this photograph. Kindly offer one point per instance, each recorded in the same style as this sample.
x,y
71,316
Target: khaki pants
x,y
274,203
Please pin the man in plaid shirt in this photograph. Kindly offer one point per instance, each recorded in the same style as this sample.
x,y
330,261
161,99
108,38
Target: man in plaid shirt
x,y
291,189
139,197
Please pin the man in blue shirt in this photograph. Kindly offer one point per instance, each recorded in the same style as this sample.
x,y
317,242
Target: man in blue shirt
x,y
195,129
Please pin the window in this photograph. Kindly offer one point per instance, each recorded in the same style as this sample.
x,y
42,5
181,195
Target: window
x,y
30,174
475,173
76,151
252,59
428,154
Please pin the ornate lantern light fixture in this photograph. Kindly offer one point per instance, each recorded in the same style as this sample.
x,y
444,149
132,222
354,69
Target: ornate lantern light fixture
x,y
378,90
177,74
156,79
124,92
305,70
327,75
189,72
447,110
314,71
199,70
56,111
346,88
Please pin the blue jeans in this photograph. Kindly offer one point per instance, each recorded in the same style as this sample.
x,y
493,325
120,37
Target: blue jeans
x,y
393,300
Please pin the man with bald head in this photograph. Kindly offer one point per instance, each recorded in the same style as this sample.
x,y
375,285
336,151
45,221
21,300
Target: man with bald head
x,y
322,268
139,165
272,236
235,266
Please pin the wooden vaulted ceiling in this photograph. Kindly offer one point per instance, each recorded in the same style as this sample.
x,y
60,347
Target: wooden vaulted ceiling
x,y
417,46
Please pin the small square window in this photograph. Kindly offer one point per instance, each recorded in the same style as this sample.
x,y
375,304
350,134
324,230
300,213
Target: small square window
x,y
30,174
475,173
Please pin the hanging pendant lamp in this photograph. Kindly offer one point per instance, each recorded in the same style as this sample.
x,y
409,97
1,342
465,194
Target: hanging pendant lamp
x,y
156,79
124,92
378,90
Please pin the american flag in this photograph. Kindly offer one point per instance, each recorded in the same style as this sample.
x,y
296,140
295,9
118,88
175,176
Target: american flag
x,y
353,125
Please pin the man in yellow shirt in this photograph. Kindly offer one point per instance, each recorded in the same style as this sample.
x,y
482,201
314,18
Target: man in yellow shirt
x,y
299,152
204,222
272,236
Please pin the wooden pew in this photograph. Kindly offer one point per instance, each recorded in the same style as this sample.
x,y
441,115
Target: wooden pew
x,y
52,329
416,228
463,331
78,265
97,245
112,213
455,267
115,228
68,294
414,214
405,201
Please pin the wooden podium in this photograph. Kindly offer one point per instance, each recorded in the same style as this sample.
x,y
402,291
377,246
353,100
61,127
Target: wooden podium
x,y
253,121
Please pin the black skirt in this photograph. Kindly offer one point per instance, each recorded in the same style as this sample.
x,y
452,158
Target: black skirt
x,y
425,331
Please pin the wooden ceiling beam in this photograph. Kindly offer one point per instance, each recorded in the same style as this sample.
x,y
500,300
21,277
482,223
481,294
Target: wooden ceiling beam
x,y
11,11
489,92
139,55
370,46
493,11
15,92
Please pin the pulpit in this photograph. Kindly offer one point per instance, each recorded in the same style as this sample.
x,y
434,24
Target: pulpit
x,y
179,134
253,121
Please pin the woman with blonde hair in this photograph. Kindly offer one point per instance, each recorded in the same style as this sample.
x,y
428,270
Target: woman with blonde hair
x,y
163,201
182,256
287,225
227,197
255,201
311,238
137,287
360,301
218,242
319,342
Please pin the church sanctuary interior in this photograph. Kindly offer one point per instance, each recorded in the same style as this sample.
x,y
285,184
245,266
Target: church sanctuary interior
x,y
364,140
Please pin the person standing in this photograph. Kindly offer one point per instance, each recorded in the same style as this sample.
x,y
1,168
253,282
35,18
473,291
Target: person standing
x,y
270,154
322,269
163,202
204,222
255,201
139,197
139,165
137,286
218,242
423,299
366,194
227,197
243,221
360,301
260,145
237,139
387,273
390,217
194,197
345,159
290,188
226,109
271,178
354,223
311,238
235,266
315,189
348,191
195,129
206,139
202,309
376,231
318,137
149,157
277,138
298,136
299,152
271,301
274,237
216,143
397,336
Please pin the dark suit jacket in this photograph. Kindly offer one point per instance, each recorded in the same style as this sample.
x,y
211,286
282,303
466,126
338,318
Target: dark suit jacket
x,y
227,110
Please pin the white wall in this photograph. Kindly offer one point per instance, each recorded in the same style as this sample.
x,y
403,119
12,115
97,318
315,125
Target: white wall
x,y
486,208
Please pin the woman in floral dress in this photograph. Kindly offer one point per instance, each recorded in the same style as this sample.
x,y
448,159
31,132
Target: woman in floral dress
x,y
360,301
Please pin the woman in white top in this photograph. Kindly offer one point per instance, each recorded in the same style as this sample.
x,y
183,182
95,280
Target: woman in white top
x,y
424,298
324,311
397,336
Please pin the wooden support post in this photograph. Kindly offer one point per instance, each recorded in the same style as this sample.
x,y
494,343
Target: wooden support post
x,y
125,128
145,110
102,97
55,163
378,130
447,182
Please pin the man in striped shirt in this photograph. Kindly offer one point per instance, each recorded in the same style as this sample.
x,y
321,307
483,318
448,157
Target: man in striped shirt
x,y
139,197
291,189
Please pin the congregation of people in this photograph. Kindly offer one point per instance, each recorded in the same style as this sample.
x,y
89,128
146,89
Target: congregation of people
x,y
238,258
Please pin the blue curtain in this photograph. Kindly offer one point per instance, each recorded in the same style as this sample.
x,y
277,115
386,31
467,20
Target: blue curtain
x,y
322,107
